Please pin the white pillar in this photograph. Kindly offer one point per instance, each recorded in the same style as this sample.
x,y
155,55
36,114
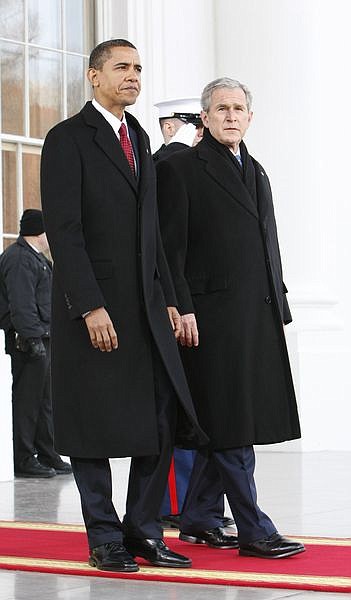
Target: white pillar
x,y
176,44
6,462
111,20
294,57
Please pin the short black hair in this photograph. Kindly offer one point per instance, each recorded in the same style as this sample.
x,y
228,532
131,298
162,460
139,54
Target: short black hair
x,y
102,52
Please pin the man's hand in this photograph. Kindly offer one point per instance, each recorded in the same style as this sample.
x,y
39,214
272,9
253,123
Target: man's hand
x,y
101,331
175,320
189,335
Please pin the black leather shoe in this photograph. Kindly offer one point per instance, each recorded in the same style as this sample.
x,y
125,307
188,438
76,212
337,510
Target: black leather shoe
x,y
112,557
61,467
275,546
173,521
32,468
170,521
215,538
156,552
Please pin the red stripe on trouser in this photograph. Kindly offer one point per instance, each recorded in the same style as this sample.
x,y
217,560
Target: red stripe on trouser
x,y
172,488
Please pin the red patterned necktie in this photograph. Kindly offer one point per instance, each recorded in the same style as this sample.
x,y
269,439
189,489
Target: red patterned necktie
x,y
127,147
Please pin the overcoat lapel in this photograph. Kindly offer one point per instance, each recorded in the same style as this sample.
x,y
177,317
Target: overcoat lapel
x,y
227,176
105,138
145,157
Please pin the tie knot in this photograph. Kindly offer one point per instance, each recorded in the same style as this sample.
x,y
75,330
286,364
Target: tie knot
x,y
122,130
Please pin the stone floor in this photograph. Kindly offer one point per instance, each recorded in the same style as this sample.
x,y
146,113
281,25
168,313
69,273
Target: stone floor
x,y
305,494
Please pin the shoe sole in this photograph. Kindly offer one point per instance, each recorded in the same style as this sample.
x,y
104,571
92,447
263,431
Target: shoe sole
x,y
281,555
160,563
29,476
191,539
113,568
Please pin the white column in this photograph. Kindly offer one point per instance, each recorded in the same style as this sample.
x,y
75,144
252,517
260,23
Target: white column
x,y
6,462
176,45
111,20
294,56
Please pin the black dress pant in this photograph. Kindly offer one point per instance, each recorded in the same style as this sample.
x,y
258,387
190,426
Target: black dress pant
x,y
31,407
234,469
147,478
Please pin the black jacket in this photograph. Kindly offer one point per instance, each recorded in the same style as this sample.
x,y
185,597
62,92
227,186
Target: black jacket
x,y
166,151
25,291
220,238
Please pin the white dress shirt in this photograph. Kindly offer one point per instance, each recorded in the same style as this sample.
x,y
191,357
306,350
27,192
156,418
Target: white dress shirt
x,y
114,121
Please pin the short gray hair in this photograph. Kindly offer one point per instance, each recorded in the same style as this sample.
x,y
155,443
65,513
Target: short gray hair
x,y
224,82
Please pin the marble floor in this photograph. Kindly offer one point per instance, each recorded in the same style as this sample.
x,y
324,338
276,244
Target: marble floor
x,y
305,494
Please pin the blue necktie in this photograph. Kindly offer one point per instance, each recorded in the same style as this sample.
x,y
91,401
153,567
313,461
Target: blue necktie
x,y
238,158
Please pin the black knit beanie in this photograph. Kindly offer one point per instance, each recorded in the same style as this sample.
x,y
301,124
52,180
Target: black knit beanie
x,y
32,222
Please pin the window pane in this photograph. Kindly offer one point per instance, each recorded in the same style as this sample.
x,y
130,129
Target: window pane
x,y
31,181
45,86
10,215
7,242
44,23
12,88
74,26
12,19
75,84
79,20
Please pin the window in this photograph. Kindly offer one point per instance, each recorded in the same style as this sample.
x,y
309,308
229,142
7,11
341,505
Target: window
x,y
44,49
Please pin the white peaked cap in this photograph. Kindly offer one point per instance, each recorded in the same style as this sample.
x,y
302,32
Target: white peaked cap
x,y
167,108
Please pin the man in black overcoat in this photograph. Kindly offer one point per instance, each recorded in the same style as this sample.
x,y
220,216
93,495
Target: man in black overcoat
x,y
118,384
219,233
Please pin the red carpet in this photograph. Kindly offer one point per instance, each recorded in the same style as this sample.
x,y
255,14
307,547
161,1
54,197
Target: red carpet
x,y
62,549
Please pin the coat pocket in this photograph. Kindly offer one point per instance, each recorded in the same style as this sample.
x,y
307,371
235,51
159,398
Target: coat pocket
x,y
103,269
207,285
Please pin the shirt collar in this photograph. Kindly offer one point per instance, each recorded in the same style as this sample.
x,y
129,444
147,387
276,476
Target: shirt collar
x,y
34,248
237,153
114,121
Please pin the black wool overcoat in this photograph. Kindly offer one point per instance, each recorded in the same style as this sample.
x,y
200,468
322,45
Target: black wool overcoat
x,y
220,238
103,231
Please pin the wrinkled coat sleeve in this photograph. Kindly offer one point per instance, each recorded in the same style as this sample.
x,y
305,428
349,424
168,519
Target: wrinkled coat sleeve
x,y
61,194
173,206
281,289
165,275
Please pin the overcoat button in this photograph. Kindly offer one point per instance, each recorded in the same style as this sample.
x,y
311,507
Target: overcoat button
x,y
268,300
